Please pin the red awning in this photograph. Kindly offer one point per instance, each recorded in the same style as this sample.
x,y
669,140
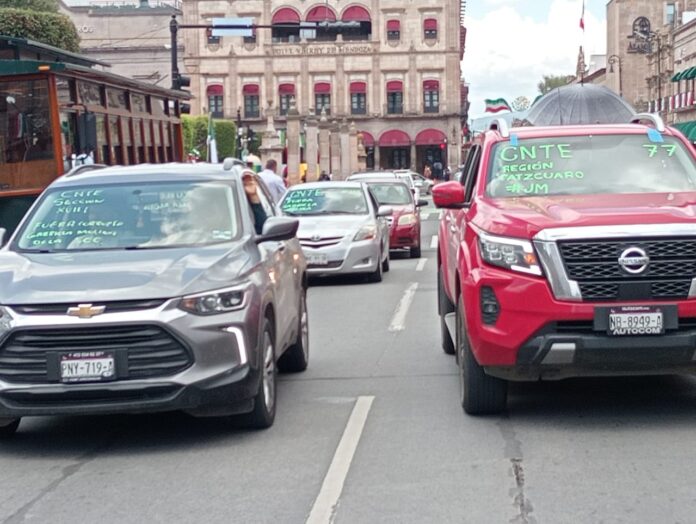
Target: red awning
x,y
430,24
431,85
250,89
286,89
356,14
395,86
320,14
393,25
430,137
368,139
214,90
322,87
285,16
394,138
358,87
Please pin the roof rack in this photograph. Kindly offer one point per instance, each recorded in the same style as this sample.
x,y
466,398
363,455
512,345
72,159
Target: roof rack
x,y
84,167
500,125
654,118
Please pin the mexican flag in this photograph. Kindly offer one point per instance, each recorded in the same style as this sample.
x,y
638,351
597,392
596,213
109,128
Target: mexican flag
x,y
212,144
496,105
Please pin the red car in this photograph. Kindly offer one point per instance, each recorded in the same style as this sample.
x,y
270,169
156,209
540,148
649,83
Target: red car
x,y
568,251
405,222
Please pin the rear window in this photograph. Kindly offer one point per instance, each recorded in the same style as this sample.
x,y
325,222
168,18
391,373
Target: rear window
x,y
325,201
590,165
391,194
131,216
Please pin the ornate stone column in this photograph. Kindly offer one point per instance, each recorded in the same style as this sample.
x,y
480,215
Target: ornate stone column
x,y
345,152
324,143
413,156
292,140
335,149
312,145
270,144
362,153
353,149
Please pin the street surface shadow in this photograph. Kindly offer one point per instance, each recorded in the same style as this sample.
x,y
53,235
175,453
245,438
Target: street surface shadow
x,y
605,402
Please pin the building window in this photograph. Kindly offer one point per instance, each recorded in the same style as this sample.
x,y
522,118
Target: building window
x,y
212,39
358,98
395,97
251,101
430,28
360,15
320,14
322,101
286,93
393,30
286,22
250,39
431,96
670,13
215,101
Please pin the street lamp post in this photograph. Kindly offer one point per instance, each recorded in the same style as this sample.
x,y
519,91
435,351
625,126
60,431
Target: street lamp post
x,y
239,132
616,59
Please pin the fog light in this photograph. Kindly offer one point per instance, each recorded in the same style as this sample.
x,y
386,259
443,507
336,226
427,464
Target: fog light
x,y
490,308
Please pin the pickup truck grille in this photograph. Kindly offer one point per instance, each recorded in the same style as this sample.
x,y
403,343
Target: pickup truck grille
x,y
31,355
595,266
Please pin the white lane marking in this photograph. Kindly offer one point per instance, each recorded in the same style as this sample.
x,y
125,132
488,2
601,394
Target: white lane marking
x,y
433,242
325,505
398,322
421,264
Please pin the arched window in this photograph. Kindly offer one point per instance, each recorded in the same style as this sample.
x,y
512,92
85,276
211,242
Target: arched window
x,y
431,96
359,15
286,25
216,100
321,14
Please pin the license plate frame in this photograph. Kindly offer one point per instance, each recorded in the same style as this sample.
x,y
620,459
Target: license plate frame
x,y
636,320
87,366
317,259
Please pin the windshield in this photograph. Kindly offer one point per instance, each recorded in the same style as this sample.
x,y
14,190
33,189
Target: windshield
x,y
391,194
132,216
337,200
590,165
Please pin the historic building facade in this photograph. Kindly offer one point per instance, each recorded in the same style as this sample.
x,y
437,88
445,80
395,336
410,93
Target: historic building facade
x,y
131,35
396,74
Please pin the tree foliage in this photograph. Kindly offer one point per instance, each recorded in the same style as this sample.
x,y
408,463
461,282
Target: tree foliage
x,y
43,6
550,82
49,28
195,134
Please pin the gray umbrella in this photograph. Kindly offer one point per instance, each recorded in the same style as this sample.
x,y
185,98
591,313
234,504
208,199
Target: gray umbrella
x,y
580,104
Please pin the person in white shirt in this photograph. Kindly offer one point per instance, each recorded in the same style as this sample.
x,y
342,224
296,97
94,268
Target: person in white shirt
x,y
274,182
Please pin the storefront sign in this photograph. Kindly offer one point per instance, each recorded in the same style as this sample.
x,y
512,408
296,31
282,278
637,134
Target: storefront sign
x,y
640,39
311,50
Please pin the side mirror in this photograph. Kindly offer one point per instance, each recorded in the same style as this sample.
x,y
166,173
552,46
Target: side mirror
x,y
449,195
278,228
385,211
2,236
421,203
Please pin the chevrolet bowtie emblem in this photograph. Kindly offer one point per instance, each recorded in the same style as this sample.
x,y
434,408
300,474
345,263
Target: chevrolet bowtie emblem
x,y
85,310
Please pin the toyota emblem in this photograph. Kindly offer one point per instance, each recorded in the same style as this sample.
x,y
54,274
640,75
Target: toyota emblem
x,y
316,238
634,260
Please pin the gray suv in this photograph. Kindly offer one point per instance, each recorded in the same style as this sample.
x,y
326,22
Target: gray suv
x,y
151,288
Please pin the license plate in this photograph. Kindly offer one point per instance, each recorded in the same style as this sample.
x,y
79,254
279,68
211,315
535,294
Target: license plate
x,y
317,259
636,320
87,366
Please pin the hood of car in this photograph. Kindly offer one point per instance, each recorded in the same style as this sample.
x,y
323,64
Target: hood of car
x,y
525,217
109,275
327,226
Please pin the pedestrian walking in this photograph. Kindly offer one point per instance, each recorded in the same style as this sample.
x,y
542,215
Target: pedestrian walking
x,y
274,182
427,172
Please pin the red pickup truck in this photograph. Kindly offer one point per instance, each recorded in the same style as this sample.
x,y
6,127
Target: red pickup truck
x,y
568,251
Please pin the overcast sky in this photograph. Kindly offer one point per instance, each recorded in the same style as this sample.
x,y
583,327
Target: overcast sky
x,y
511,44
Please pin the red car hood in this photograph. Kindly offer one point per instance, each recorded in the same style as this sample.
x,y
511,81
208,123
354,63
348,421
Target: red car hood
x,y
525,217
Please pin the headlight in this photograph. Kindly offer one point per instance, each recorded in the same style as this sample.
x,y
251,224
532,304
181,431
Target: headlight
x,y
213,302
509,253
407,220
5,321
366,232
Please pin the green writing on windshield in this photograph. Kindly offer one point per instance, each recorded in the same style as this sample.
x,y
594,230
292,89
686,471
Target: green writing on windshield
x,y
527,189
545,175
535,152
656,149
303,200
524,168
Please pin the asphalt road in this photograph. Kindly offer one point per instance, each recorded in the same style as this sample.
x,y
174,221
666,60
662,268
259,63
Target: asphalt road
x,y
373,432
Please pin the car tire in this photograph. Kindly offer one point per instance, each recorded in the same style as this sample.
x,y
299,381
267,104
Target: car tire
x,y
296,358
416,251
446,306
8,427
386,265
263,414
479,393
376,275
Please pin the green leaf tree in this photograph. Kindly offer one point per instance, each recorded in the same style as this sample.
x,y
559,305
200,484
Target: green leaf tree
x,y
38,20
44,6
550,82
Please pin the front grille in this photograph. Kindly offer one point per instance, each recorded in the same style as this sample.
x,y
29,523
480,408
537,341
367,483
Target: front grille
x,y
316,243
145,351
333,264
595,266
111,307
